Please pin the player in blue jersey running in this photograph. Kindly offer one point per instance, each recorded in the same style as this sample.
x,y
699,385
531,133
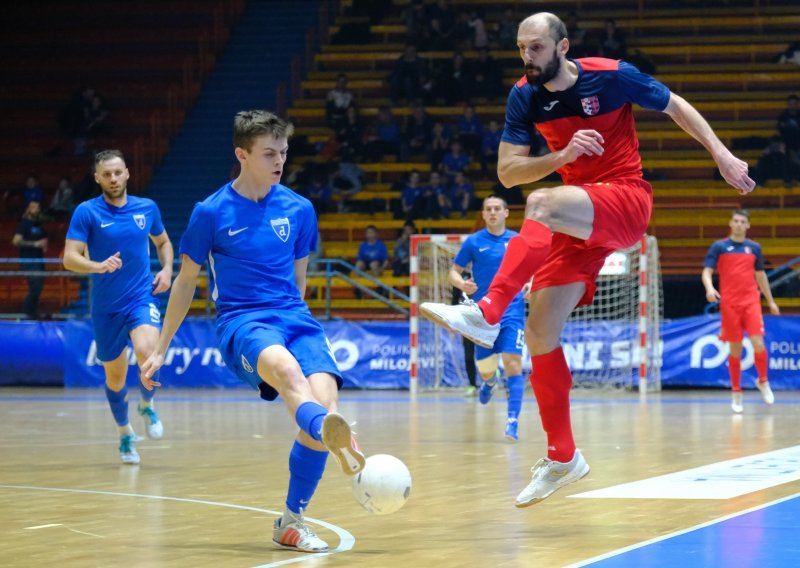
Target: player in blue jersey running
x,y
256,236
484,250
108,238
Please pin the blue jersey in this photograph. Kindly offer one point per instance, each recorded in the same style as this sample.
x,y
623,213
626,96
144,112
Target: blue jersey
x,y
106,230
376,251
600,100
251,248
485,252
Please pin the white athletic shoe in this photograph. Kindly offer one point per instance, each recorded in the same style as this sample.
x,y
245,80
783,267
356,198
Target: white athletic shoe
x,y
549,475
296,535
465,319
766,391
127,450
152,424
736,402
338,438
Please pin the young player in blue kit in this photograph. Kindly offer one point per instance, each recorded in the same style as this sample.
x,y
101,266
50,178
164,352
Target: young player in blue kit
x,y
256,235
484,250
114,229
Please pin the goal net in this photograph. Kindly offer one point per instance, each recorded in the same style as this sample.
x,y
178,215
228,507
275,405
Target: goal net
x,y
613,343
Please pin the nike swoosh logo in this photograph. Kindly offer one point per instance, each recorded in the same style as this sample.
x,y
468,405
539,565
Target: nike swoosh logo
x,y
484,249
551,105
231,232
104,225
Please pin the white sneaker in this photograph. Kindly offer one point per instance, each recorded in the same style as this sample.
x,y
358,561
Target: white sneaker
x,y
152,424
736,402
338,438
127,450
296,535
549,475
465,319
766,391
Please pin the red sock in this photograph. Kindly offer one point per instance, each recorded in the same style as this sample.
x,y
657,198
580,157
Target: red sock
x,y
525,253
551,381
735,369
761,365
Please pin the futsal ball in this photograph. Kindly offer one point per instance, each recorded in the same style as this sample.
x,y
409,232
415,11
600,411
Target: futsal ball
x,y
383,486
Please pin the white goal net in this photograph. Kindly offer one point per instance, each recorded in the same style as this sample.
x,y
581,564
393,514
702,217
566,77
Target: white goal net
x,y
612,343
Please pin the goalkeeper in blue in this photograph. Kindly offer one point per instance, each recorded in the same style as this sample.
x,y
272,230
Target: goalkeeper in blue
x,y
256,236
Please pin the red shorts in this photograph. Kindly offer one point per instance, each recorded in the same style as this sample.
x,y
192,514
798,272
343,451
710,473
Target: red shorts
x,y
621,214
736,319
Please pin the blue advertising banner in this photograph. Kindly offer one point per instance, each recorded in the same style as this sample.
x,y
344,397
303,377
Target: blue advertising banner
x,y
374,355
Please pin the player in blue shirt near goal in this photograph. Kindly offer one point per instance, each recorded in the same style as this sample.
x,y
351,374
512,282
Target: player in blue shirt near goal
x,y
108,237
256,235
484,250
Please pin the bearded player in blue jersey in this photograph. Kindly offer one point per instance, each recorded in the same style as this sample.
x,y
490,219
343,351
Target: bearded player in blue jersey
x,y
484,250
256,235
108,237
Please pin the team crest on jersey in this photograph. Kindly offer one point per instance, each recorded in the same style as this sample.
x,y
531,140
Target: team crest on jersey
x,y
748,250
591,105
140,220
281,227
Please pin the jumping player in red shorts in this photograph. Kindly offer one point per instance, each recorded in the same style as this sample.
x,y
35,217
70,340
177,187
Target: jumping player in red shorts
x,y
741,276
582,107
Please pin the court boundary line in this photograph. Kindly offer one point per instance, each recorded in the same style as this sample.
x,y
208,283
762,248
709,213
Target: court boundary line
x,y
346,540
680,532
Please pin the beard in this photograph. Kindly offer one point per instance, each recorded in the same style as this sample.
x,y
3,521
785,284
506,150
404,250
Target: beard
x,y
538,76
114,193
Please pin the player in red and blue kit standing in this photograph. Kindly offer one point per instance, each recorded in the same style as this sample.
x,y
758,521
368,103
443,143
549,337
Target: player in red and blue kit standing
x,y
741,276
582,107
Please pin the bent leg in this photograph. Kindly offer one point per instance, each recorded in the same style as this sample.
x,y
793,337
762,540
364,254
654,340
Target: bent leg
x,y
566,209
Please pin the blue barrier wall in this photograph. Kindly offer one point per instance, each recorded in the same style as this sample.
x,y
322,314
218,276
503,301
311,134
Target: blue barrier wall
x,y
375,354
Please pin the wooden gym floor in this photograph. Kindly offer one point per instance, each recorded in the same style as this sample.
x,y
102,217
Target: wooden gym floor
x,y
206,494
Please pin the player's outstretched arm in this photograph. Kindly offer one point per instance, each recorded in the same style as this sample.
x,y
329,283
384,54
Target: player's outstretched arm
x,y
711,293
733,170
75,260
763,285
180,299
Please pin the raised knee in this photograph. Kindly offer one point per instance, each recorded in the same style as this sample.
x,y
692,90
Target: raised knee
x,y
538,206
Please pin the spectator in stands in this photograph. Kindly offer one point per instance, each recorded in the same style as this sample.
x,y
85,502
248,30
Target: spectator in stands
x,y
347,180
33,191
789,129
351,132
507,30
372,255
490,146
417,133
385,137
440,26
426,204
454,81
402,249
339,99
16,201
320,193
440,143
72,118
416,21
480,36
790,55
511,195
462,194
642,62
470,131
462,32
486,78
409,79
408,196
613,44
775,163
455,160
31,239
440,192
88,187
578,44
63,200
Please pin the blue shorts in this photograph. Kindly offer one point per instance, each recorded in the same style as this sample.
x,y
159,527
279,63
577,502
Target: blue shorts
x,y
111,331
241,341
510,340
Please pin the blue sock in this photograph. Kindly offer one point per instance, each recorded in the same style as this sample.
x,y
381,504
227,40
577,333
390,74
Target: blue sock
x,y
118,401
515,389
305,471
147,395
309,417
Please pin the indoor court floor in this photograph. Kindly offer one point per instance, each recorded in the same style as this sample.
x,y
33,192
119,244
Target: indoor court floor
x,y
726,493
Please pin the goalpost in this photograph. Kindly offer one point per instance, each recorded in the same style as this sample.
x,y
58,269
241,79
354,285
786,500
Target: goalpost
x,y
614,343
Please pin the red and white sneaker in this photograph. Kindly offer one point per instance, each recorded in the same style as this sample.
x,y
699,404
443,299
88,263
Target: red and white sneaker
x,y
338,438
296,535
